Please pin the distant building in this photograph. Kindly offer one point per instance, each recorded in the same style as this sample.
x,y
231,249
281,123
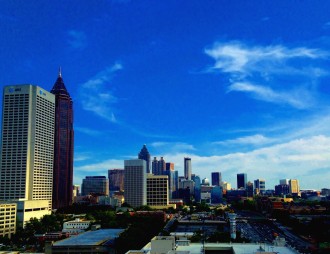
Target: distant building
x,y
135,182
226,186
284,181
159,167
95,185
169,166
27,150
8,219
76,226
294,186
205,181
187,168
241,180
157,191
116,180
216,194
282,189
75,191
249,189
145,155
216,178
197,189
259,186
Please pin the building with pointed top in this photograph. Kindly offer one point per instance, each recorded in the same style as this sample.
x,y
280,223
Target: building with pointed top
x,y
145,155
63,145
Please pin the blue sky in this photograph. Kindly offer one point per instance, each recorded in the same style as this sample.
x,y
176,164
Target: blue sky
x,y
239,86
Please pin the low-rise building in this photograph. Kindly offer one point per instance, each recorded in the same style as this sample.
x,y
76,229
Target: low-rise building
x,y
8,219
76,226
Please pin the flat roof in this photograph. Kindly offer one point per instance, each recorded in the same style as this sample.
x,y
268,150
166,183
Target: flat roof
x,y
90,238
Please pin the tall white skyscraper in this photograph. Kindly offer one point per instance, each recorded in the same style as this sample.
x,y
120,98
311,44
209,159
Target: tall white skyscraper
x,y
135,182
27,148
187,168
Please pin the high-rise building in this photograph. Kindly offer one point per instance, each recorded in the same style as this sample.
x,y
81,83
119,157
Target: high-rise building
x,y
216,178
135,182
145,155
241,180
95,185
187,168
27,150
294,186
63,145
157,191
158,166
116,180
259,186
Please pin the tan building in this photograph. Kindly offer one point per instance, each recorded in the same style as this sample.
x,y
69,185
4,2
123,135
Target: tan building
x,y
157,191
27,150
7,219
294,186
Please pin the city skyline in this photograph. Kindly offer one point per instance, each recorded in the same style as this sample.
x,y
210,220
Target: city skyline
x,y
239,86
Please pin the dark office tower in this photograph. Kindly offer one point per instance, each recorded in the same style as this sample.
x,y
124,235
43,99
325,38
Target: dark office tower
x,y
63,146
169,166
241,181
216,178
116,180
145,155
187,168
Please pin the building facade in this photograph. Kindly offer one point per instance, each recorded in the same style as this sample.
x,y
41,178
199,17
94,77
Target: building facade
x,y
145,155
135,182
8,219
216,178
157,191
259,186
27,150
116,180
95,185
241,180
187,168
63,146
294,186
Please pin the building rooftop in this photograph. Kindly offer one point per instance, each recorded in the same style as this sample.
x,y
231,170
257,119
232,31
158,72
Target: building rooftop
x,y
90,238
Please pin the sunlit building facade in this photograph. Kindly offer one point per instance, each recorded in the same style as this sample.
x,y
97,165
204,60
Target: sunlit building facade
x,y
27,150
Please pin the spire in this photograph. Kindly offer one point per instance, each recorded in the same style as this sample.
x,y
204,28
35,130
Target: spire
x,y
59,87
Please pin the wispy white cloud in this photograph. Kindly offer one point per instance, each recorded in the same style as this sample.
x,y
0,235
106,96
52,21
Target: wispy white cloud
x,y
247,140
77,39
97,99
173,146
88,131
292,98
295,70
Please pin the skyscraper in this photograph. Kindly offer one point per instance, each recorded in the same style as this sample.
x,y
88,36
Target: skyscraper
x,y
216,178
135,182
187,168
27,150
159,166
157,191
241,180
145,155
63,146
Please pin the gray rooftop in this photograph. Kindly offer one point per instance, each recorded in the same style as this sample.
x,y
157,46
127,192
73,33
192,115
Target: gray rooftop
x,y
90,238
